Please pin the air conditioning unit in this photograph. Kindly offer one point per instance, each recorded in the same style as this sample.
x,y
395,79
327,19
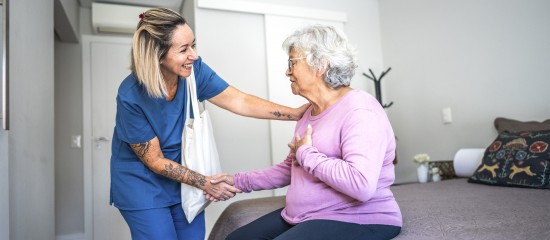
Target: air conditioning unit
x,y
115,18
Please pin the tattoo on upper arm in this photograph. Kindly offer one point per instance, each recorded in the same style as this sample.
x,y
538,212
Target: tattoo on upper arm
x,y
279,115
141,149
182,174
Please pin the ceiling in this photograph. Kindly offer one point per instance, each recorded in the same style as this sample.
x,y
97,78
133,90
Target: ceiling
x,y
171,4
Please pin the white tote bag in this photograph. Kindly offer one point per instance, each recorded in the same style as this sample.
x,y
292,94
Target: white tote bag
x,y
199,152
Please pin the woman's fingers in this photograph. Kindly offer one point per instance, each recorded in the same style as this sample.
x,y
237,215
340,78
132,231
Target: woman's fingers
x,y
307,138
222,177
220,191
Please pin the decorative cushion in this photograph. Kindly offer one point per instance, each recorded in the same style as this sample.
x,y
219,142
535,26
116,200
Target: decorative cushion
x,y
510,125
518,159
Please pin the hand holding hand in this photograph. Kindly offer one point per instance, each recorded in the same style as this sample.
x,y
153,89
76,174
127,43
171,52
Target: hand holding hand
x,y
222,177
220,187
223,183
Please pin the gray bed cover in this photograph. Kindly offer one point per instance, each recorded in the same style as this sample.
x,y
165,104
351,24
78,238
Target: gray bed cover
x,y
456,209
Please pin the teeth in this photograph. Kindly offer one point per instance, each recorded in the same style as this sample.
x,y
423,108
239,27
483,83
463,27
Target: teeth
x,y
187,65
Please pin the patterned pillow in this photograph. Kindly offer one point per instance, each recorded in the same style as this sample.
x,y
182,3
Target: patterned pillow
x,y
517,159
511,125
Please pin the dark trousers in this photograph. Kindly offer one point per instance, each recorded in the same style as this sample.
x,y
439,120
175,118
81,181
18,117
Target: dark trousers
x,y
273,226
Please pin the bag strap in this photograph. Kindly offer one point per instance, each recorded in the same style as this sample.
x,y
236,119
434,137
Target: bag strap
x,y
192,93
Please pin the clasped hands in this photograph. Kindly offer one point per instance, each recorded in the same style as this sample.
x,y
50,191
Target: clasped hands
x,y
221,186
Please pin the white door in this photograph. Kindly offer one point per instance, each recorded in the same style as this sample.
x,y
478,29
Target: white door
x,y
109,61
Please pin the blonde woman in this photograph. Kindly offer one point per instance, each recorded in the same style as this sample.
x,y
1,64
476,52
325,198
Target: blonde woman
x,y
145,164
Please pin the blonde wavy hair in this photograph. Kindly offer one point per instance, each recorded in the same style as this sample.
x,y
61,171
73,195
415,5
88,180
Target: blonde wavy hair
x,y
151,41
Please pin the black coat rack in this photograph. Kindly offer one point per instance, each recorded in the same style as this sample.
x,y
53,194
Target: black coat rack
x,y
377,86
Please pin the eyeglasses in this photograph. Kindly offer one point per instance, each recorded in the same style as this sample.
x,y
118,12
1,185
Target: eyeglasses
x,y
291,64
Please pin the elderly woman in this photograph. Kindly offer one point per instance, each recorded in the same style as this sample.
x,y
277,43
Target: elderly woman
x,y
339,169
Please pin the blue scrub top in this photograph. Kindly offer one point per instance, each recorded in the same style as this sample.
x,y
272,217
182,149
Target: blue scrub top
x,y
140,118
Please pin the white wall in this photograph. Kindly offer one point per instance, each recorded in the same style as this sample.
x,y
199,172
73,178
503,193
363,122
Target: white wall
x,y
4,186
4,158
483,59
69,180
69,162
30,138
66,20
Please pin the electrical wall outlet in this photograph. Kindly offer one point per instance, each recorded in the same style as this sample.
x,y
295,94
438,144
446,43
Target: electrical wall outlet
x,y
446,115
76,141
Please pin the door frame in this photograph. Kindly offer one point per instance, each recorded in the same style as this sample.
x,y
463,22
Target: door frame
x,y
87,138
272,9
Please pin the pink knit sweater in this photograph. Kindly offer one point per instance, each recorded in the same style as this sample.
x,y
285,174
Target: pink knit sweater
x,y
346,174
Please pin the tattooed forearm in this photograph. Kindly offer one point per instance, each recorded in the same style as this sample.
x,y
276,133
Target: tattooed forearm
x,y
175,173
184,175
279,115
141,149
195,179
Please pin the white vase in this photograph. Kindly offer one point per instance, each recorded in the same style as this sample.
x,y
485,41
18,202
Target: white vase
x,y
435,175
422,173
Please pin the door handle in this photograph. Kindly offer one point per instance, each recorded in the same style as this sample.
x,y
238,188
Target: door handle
x,y
99,140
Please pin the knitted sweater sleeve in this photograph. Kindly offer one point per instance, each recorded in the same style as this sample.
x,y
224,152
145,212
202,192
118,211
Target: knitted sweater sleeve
x,y
363,140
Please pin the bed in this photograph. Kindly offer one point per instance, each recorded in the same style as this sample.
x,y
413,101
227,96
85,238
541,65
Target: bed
x,y
450,209
509,201
457,209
